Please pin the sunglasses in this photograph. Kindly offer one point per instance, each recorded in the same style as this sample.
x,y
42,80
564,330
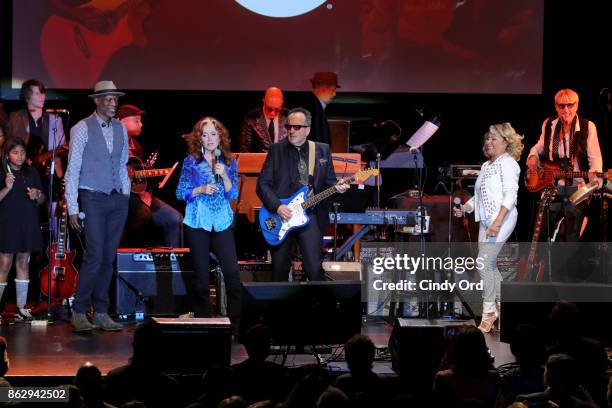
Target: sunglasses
x,y
272,110
295,127
566,105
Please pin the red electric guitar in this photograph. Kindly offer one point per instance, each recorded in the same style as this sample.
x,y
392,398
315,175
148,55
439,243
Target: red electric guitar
x,y
64,276
530,268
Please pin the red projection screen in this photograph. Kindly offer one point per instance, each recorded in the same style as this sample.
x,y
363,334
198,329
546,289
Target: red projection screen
x,y
429,46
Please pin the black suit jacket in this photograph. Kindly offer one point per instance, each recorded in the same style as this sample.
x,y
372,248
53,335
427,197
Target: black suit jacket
x,y
254,136
319,128
278,180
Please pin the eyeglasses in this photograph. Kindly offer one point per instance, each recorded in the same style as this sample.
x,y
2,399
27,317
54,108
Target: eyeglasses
x,y
272,110
295,127
566,105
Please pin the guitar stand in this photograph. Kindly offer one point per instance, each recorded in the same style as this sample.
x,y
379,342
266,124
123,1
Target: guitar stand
x,y
140,297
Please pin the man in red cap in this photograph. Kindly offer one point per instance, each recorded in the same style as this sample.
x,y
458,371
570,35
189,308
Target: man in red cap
x,y
264,126
324,85
144,207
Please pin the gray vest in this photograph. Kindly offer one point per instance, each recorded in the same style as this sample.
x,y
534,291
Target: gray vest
x,y
100,169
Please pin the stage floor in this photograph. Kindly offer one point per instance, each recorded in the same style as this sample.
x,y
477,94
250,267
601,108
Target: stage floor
x,y
54,350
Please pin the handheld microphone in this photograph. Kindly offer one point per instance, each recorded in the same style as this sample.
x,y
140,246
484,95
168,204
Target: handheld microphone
x,y
217,155
57,110
82,218
457,203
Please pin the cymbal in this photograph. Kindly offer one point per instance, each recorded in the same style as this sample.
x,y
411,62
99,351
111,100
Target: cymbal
x,y
583,193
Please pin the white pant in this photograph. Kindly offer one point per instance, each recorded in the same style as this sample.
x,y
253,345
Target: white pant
x,y
488,249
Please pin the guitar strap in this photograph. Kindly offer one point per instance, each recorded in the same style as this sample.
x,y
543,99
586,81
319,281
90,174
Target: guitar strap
x,y
311,158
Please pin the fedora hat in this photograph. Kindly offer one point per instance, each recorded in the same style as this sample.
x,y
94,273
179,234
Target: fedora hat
x,y
325,77
104,88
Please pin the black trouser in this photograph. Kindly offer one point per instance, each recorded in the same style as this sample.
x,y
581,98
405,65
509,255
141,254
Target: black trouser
x,y
222,242
160,214
311,245
105,216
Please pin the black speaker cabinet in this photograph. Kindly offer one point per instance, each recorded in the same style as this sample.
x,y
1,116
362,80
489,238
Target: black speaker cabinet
x,y
532,302
190,346
299,313
348,131
163,276
417,345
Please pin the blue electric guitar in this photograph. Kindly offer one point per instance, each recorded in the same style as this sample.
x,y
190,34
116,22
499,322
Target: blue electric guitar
x,y
275,230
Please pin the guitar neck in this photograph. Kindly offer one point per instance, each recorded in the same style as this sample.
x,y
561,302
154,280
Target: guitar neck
x,y
316,199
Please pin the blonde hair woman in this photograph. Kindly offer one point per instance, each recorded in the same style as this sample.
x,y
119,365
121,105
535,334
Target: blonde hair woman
x,y
494,207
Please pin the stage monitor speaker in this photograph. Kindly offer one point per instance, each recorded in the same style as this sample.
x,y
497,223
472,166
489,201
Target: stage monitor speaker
x,y
296,313
163,276
342,271
190,346
417,345
532,302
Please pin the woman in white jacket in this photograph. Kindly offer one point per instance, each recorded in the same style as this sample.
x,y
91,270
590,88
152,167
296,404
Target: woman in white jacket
x,y
494,206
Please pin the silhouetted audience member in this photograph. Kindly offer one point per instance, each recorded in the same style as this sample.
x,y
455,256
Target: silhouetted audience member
x,y
90,383
218,383
141,379
563,386
133,404
4,362
362,385
469,373
306,391
234,401
333,397
590,356
258,379
527,346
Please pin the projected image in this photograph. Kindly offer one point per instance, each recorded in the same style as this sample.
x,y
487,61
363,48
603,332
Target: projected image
x,y
486,46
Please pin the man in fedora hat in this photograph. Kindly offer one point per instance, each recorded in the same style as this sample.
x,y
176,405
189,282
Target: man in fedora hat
x,y
144,207
324,85
97,174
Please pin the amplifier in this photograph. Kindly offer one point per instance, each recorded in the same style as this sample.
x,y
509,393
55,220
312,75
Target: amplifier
x,y
163,276
255,271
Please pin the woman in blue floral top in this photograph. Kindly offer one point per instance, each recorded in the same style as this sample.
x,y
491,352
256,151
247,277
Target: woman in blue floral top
x,y
209,180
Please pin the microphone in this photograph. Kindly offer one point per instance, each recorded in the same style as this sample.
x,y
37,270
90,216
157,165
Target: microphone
x,y
82,218
57,110
457,203
217,155
343,160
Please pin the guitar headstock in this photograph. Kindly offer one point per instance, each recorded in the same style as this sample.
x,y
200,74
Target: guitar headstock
x,y
365,174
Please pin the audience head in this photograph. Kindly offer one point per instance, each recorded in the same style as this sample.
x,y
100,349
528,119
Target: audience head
x,y
219,382
257,342
359,351
131,117
234,401
333,397
4,362
560,372
146,344
527,345
566,320
90,382
272,102
324,85
468,352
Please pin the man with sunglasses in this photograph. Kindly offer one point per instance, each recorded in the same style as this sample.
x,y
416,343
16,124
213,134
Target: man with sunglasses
x,y
571,142
264,126
286,170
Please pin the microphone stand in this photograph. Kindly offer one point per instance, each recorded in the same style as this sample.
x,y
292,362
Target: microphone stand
x,y
51,219
336,205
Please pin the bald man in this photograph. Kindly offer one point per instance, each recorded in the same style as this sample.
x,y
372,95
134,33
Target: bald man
x,y
264,126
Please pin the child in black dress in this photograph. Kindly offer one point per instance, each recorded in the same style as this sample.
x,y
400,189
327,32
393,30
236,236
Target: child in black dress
x,y
20,195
